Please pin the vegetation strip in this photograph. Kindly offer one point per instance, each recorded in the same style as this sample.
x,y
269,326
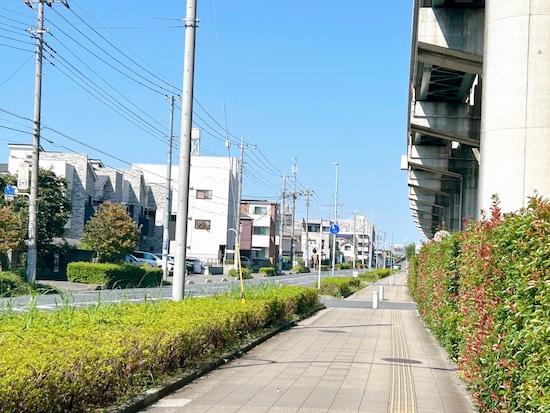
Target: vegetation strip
x,y
84,359
485,295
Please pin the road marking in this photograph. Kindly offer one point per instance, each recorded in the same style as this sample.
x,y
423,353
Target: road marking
x,y
164,403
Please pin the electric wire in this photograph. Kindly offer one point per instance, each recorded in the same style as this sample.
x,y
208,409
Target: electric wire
x,y
207,124
104,97
160,89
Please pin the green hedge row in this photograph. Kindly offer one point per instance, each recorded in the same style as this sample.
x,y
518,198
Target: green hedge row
x,y
114,275
83,359
485,294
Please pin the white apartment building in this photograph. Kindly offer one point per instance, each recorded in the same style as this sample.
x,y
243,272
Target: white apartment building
x,y
213,203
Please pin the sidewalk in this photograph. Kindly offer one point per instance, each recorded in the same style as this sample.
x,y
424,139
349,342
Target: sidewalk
x,y
347,358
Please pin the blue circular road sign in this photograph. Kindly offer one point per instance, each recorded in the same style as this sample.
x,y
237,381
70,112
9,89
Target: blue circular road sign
x,y
334,229
9,190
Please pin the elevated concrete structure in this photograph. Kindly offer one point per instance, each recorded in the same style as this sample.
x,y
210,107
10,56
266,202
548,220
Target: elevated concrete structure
x,y
515,128
460,152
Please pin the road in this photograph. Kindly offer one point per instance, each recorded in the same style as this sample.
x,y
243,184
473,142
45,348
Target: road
x,y
196,286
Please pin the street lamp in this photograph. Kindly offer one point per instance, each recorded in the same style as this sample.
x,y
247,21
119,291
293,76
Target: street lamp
x,y
335,219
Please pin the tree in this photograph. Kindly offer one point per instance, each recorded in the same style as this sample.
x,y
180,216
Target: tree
x,y
53,212
410,250
110,232
11,232
54,208
11,229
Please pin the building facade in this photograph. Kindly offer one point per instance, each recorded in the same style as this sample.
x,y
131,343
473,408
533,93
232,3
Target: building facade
x,y
262,216
213,203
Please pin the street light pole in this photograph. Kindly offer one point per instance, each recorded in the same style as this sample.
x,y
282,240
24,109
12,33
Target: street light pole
x,y
335,220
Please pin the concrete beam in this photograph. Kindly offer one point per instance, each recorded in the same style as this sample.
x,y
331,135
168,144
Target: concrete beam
x,y
435,171
442,134
428,190
451,59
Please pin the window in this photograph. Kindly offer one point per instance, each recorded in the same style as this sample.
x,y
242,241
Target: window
x,y
261,231
202,224
204,194
260,210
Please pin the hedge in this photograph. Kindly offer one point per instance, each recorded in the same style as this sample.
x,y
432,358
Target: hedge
x,y
345,286
485,293
114,275
83,359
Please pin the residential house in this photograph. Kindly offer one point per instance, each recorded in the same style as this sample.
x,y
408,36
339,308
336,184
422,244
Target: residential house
x,y
89,183
261,215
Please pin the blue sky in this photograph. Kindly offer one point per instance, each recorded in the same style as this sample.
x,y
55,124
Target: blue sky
x,y
316,81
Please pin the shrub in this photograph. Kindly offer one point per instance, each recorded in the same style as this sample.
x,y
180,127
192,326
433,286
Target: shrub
x,y
267,271
247,273
10,282
345,286
344,265
339,287
300,268
485,293
114,275
76,360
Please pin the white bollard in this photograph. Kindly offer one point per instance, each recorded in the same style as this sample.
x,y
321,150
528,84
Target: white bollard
x,y
381,292
391,280
375,299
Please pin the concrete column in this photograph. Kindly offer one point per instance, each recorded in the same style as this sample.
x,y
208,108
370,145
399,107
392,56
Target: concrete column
x,y
515,127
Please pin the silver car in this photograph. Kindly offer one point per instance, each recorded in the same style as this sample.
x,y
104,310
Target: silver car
x,y
148,258
193,265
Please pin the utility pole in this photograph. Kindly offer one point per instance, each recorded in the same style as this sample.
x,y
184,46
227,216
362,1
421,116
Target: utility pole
x,y
335,220
371,240
191,23
354,237
240,172
308,193
33,199
294,195
237,253
282,225
168,196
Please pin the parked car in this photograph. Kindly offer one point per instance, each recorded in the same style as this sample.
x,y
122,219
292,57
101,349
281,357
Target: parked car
x,y
148,257
258,263
194,265
130,259
245,262
170,264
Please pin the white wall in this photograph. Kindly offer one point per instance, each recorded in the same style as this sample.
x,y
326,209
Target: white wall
x,y
217,174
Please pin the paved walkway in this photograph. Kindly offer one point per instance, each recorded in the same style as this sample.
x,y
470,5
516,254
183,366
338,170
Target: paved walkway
x,y
347,358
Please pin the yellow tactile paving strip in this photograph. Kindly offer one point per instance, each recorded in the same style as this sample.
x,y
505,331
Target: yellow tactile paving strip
x,y
402,394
